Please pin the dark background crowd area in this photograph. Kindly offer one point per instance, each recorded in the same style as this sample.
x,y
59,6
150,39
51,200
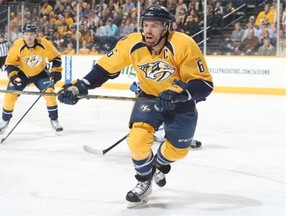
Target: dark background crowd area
x,y
101,23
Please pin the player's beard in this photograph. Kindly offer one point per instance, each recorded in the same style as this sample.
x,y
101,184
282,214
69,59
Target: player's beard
x,y
152,41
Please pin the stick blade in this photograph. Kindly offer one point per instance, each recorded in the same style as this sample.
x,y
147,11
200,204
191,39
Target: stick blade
x,y
91,150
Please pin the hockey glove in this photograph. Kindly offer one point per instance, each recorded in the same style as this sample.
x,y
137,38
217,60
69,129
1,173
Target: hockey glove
x,y
71,91
167,99
55,76
18,83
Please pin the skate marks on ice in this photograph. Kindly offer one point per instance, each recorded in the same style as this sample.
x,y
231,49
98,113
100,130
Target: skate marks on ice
x,y
171,199
239,171
181,199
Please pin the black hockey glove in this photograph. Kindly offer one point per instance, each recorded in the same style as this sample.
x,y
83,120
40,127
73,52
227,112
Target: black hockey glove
x,y
18,83
167,99
55,76
71,91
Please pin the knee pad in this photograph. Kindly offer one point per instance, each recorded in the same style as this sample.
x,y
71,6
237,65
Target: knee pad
x,y
172,153
140,140
50,100
9,101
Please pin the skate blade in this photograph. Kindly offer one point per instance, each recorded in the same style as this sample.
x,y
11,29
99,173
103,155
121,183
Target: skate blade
x,y
196,147
59,129
58,133
137,204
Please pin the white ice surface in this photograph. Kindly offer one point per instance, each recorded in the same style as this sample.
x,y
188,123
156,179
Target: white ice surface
x,y
238,172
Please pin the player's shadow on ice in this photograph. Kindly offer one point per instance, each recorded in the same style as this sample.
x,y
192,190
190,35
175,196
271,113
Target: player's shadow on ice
x,y
202,201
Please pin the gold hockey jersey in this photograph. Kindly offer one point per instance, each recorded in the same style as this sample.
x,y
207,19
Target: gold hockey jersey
x,y
179,59
31,61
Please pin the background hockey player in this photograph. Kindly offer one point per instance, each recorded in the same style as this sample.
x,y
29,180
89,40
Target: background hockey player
x,y
171,70
25,64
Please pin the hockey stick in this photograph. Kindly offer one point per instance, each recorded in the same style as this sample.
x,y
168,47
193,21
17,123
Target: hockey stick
x,y
10,91
3,139
80,96
195,145
102,152
27,92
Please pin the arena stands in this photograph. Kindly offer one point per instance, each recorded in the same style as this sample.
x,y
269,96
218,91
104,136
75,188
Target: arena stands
x,y
101,23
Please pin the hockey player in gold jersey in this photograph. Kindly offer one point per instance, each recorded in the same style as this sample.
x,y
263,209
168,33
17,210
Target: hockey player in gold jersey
x,y
26,63
172,70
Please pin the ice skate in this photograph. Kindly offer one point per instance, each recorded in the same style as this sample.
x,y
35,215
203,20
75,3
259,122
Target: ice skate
x,y
159,178
159,174
56,126
3,125
196,144
139,194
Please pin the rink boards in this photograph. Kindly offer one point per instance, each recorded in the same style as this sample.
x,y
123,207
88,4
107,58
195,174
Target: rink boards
x,y
231,74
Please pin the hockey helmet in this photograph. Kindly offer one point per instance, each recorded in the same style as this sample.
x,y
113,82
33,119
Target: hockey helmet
x,y
157,12
29,28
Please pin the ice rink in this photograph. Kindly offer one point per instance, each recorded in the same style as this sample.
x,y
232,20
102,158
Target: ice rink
x,y
238,172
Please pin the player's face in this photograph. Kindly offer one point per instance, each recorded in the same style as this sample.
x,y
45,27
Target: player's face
x,y
29,38
152,31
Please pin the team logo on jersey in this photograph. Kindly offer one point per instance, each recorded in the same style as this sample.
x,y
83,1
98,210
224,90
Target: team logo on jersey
x,y
33,61
157,71
145,108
